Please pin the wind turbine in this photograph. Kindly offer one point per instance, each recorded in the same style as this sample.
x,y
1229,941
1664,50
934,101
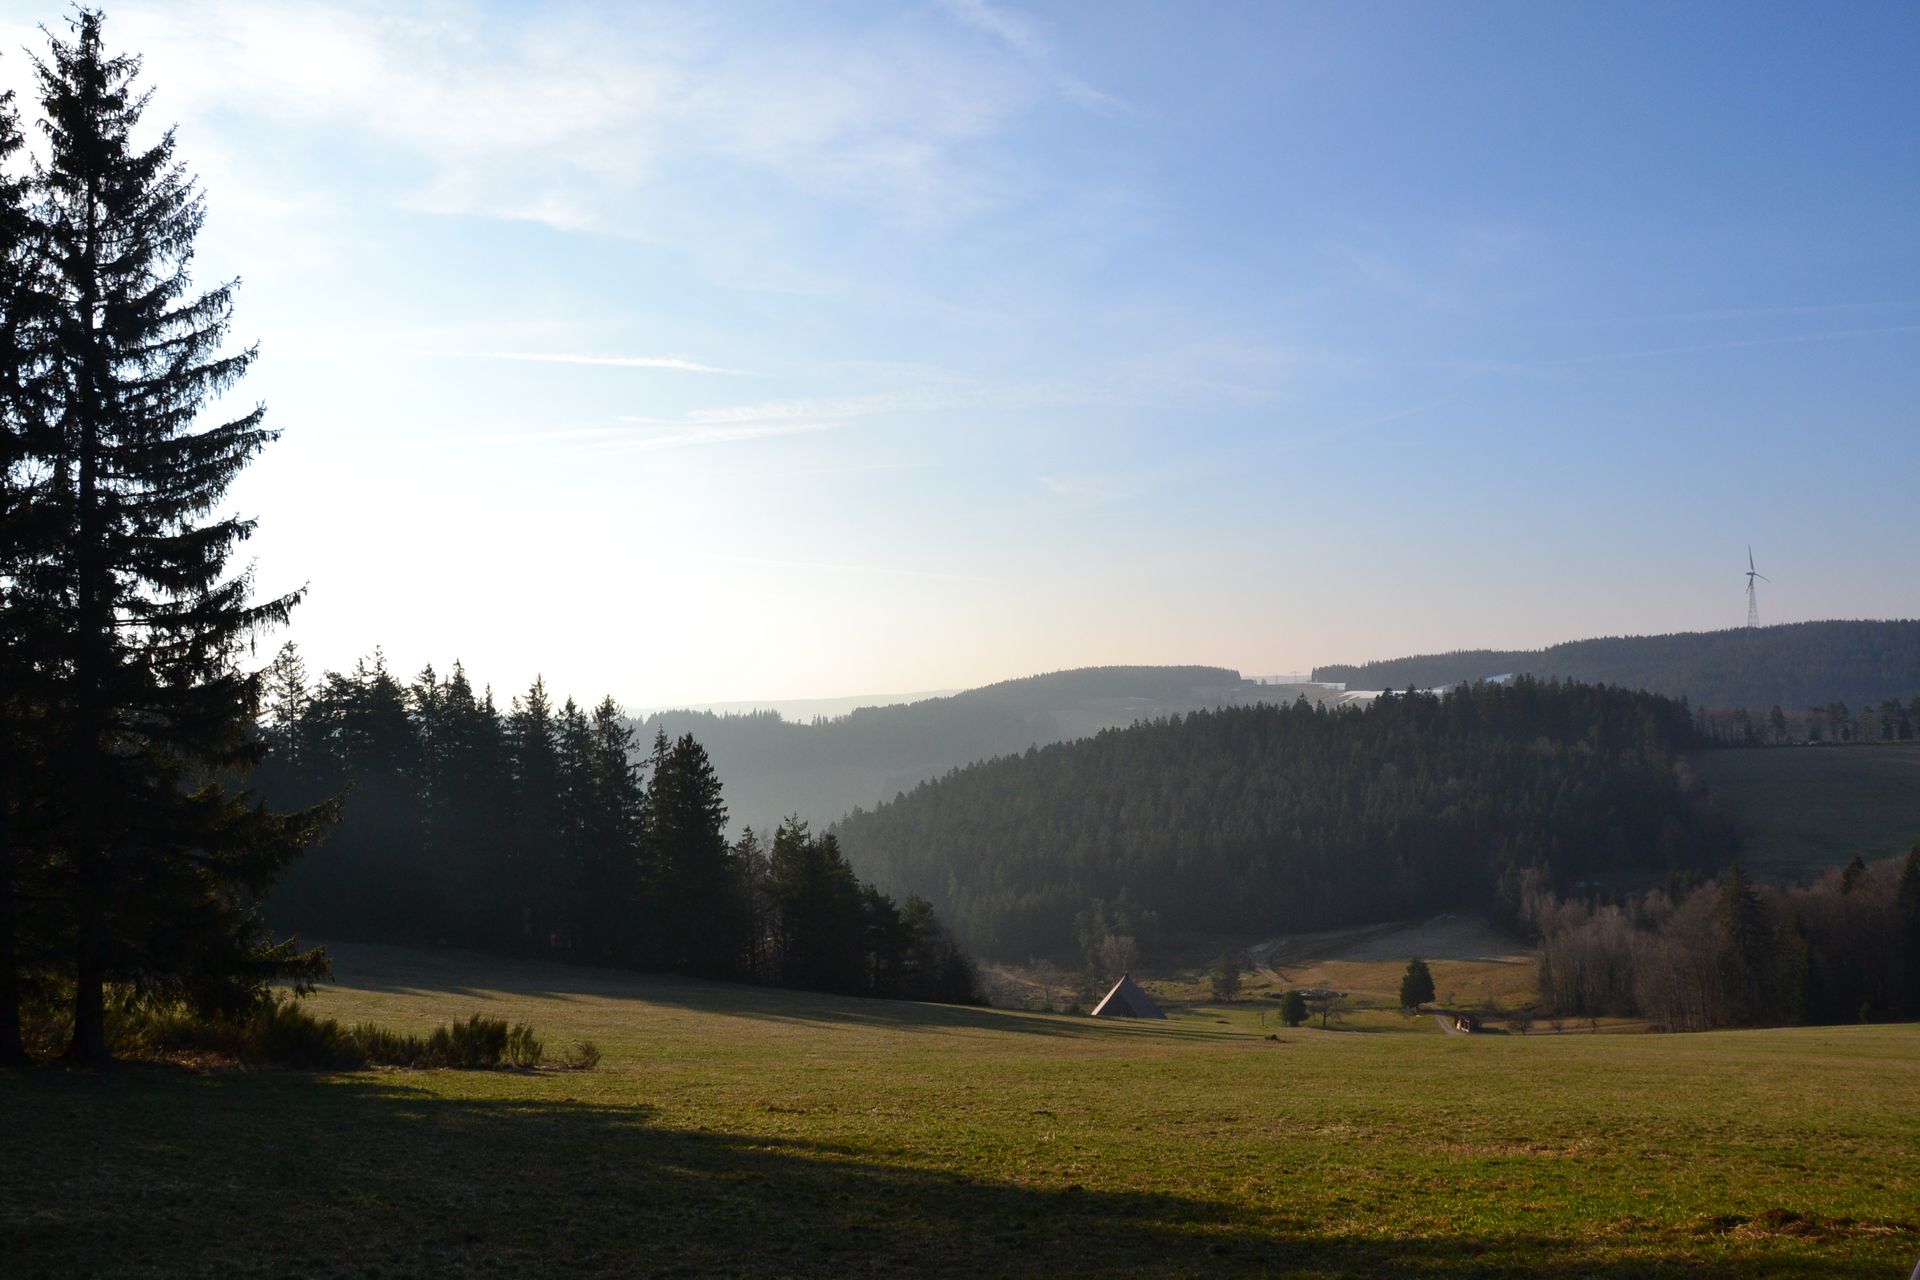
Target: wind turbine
x,y
1753,605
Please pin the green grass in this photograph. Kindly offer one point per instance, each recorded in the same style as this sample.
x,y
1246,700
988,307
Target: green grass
x,y
1805,809
733,1131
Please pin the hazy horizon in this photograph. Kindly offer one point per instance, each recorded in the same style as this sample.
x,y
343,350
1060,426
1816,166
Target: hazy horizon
x,y
702,356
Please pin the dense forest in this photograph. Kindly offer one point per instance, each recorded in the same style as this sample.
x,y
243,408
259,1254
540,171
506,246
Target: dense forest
x,y
534,830
1258,819
1795,665
1691,955
828,766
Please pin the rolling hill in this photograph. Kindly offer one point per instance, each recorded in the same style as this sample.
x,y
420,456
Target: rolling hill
x,y
773,767
1802,810
1794,665
1252,820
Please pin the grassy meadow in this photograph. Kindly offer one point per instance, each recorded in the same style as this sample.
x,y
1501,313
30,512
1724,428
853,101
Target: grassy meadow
x,y
1805,809
735,1131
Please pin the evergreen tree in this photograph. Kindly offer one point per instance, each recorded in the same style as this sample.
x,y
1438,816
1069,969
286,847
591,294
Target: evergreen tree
x,y
935,968
145,715
696,927
1416,985
1850,875
535,754
1293,1008
19,421
749,874
817,901
1746,952
1224,978
615,820
1906,912
475,827
885,942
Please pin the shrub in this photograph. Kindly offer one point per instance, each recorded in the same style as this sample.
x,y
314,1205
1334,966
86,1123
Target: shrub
x,y
278,1031
477,1042
585,1055
523,1048
379,1045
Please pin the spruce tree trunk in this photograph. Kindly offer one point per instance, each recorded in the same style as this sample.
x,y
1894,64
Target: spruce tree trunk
x,y
89,1045
12,1049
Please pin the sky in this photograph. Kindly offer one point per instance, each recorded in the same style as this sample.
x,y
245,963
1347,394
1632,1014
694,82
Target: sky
x,y
690,353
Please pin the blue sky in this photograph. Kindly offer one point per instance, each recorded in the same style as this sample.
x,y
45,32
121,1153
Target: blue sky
x,y
722,352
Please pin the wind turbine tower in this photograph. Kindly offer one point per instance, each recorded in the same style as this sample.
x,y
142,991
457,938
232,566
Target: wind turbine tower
x,y
1753,603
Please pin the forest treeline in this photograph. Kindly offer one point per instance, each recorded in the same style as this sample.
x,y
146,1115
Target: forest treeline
x,y
1729,953
1256,819
829,765
535,830
1794,665
1888,720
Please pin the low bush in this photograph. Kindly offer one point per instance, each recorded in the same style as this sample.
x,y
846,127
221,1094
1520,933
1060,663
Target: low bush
x,y
523,1047
279,1032
584,1056
477,1042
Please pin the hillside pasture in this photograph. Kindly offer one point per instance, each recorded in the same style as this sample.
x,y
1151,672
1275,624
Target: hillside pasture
x,y
1804,810
734,1131
1472,962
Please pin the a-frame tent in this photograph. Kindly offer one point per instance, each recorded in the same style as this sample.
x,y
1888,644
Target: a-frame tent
x,y
1127,1000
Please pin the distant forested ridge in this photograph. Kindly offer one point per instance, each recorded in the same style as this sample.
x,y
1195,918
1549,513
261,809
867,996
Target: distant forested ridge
x,y
775,766
540,830
1260,819
1794,665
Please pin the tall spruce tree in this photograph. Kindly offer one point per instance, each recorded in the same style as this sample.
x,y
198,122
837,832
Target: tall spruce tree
x,y
18,419
1746,950
534,749
616,817
144,713
697,926
1906,914
1416,984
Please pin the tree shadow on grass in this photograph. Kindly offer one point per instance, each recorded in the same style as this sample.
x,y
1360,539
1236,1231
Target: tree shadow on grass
x,y
145,1171
470,976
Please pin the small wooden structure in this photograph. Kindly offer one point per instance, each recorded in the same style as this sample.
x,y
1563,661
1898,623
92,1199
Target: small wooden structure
x,y
1127,1000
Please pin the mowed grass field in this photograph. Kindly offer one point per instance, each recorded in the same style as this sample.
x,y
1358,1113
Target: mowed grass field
x,y
735,1131
1805,809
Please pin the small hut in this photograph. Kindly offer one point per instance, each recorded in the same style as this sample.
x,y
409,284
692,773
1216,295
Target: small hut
x,y
1127,1000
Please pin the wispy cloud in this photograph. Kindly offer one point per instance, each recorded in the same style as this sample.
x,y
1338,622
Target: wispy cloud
x,y
827,566
1750,312
570,117
1090,490
1017,34
627,439
697,437
679,363
836,408
549,436
1737,344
